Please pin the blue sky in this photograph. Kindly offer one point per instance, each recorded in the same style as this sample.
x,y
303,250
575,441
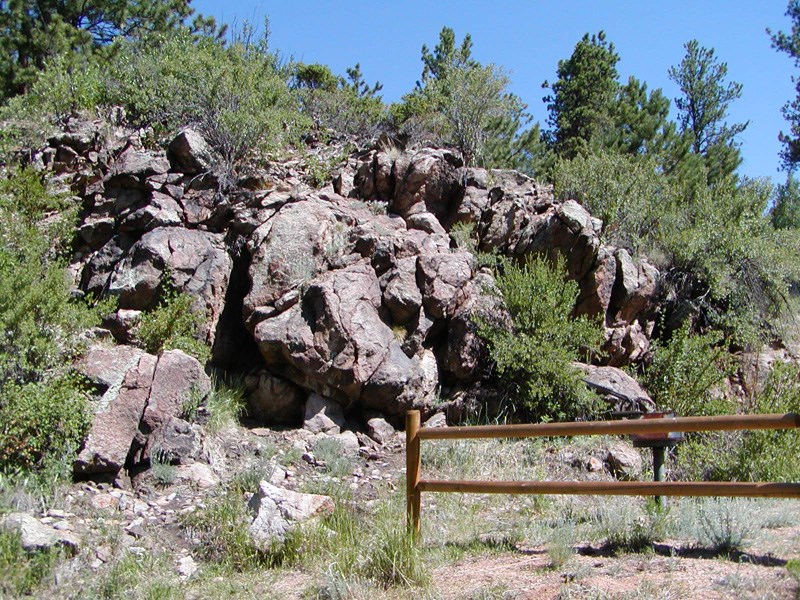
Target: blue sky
x,y
529,38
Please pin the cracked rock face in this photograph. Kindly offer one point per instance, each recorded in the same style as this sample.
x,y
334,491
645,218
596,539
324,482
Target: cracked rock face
x,y
143,395
364,300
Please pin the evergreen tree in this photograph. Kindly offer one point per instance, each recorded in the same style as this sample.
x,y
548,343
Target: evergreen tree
x,y
461,102
790,43
446,57
33,31
640,120
582,97
785,212
703,107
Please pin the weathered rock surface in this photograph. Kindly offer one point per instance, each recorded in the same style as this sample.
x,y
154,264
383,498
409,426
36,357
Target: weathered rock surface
x,y
624,461
189,153
35,535
176,442
617,387
277,511
143,395
371,310
323,415
128,374
380,430
196,262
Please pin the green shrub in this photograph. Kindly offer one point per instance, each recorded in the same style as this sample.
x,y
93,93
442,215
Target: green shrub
x,y
235,95
39,318
533,357
725,524
41,421
720,256
43,409
164,472
69,83
772,455
220,531
23,572
331,452
225,403
342,106
685,372
625,191
396,558
173,325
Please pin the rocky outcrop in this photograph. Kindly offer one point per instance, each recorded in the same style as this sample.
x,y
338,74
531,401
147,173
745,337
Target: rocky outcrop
x,y
360,296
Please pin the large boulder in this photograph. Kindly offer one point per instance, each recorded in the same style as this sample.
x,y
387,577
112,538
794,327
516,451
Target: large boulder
x,y
443,279
617,388
334,339
35,536
189,153
323,415
289,249
126,373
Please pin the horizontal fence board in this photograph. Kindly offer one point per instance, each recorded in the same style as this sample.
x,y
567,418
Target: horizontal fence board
x,y
616,488
632,426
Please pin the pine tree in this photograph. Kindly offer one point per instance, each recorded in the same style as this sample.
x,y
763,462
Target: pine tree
x,y
582,97
33,31
703,106
790,43
461,102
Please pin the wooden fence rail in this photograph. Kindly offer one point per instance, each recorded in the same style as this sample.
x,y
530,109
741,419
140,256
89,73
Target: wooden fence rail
x,y
415,485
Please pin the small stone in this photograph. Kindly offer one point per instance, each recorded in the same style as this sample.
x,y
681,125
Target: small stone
x,y
349,442
104,553
63,526
593,464
277,511
136,528
437,420
380,430
105,502
278,475
199,474
186,567
624,461
139,507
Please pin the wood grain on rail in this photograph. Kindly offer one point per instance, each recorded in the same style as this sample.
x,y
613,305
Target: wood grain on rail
x,y
616,488
682,424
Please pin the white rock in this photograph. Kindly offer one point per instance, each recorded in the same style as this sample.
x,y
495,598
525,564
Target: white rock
x,y
35,535
323,415
278,511
197,473
437,420
186,567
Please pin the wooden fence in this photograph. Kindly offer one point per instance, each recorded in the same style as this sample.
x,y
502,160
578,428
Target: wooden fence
x,y
415,484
